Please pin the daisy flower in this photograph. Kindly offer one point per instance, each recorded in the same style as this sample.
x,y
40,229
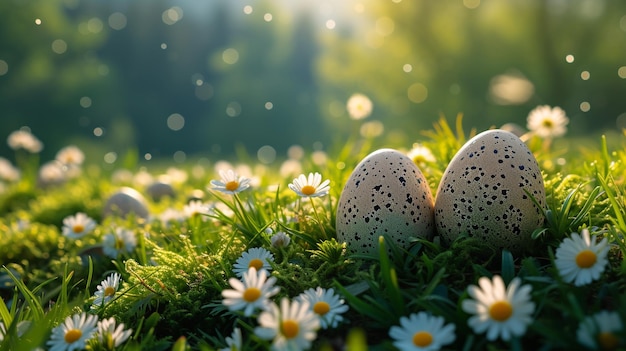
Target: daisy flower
x,y
8,172
23,139
326,305
292,326
603,329
250,293
71,155
421,154
121,241
73,333
111,336
581,260
196,208
78,225
311,186
422,332
230,182
106,290
280,239
501,311
547,122
233,342
256,257
359,106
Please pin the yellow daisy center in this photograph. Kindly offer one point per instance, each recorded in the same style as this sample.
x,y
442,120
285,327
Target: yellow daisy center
x,y
608,340
78,228
251,294
422,338
73,335
119,243
500,311
308,190
547,123
232,185
256,263
109,291
586,259
321,307
290,328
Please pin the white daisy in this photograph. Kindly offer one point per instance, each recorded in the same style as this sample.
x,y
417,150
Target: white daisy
x,y
23,139
280,239
8,172
422,332
251,293
256,257
169,216
106,290
234,341
78,225
603,329
196,208
326,305
71,155
580,259
421,154
359,106
311,186
111,336
52,172
121,241
292,326
501,311
230,182
547,122
73,332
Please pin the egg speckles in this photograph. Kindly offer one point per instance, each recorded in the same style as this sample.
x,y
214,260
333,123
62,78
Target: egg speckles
x,y
483,192
385,194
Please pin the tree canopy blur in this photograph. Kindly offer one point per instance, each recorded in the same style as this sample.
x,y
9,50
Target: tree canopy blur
x,y
185,77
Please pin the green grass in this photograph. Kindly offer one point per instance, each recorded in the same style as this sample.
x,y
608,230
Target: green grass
x,y
172,281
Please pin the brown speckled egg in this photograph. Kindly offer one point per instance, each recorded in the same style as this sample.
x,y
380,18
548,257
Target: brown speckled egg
x,y
482,193
385,194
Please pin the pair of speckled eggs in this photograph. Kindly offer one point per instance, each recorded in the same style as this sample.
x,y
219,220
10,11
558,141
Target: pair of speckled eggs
x,y
486,192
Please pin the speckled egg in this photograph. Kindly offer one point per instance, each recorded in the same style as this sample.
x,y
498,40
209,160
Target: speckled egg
x,y
385,194
483,193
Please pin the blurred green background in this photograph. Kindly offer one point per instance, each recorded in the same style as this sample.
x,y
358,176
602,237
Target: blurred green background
x,y
179,78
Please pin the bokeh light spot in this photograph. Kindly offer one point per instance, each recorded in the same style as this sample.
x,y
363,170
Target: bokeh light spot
x,y
95,25
38,21
230,56
585,106
247,9
59,46
4,67
471,4
585,75
147,156
98,131
385,26
269,105
569,58
330,24
266,154
175,122
621,72
180,156
117,21
407,68
233,109
110,157
417,93
268,17
163,46
172,15
85,102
